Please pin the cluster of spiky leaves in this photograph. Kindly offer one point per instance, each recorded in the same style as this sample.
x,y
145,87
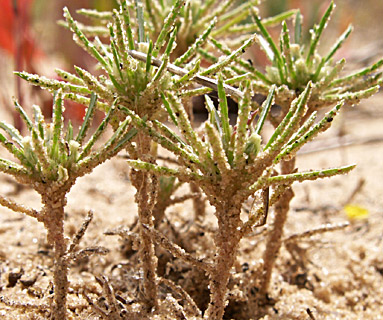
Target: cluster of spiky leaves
x,y
138,83
293,64
127,78
234,157
196,19
185,30
52,153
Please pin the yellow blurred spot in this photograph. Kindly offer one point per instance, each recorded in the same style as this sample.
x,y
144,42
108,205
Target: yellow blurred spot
x,y
355,212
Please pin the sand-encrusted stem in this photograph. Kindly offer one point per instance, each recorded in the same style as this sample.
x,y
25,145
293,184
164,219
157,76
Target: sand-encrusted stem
x,y
227,241
282,207
147,188
274,239
53,218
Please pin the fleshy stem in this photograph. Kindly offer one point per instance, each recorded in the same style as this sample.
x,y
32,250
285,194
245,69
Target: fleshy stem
x,y
147,188
54,204
227,240
274,240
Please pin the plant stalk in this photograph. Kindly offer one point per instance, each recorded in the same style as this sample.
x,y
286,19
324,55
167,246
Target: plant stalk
x,y
227,240
54,222
147,187
274,240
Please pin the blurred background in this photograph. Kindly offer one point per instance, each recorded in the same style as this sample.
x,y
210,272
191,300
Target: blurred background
x,y
31,40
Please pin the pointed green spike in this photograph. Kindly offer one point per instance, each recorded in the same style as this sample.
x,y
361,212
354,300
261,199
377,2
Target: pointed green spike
x,y
24,116
15,151
140,20
12,131
149,59
88,45
318,32
298,28
168,109
167,26
165,57
127,27
127,137
69,132
339,43
58,122
213,114
277,59
265,110
87,119
197,44
39,120
309,175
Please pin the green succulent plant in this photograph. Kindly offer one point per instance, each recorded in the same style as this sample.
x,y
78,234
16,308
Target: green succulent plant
x,y
293,64
230,164
151,67
196,19
136,77
50,159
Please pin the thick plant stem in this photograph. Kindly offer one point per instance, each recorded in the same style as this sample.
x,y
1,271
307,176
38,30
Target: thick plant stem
x,y
54,222
60,279
274,240
146,195
146,252
226,241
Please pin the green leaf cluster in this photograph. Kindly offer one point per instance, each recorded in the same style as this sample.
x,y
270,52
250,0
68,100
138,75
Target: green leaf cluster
x,y
293,64
51,152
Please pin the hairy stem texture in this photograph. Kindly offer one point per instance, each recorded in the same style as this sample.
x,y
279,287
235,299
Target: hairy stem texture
x,y
54,204
227,240
274,240
146,195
